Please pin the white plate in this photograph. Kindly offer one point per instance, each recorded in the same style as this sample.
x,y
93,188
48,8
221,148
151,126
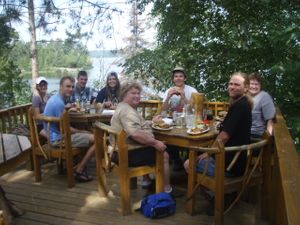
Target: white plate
x,y
108,112
189,131
159,128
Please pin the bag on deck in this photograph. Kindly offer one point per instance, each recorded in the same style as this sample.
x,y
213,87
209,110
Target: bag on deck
x,y
158,205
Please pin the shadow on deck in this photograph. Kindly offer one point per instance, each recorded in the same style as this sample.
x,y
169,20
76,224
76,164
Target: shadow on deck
x,y
51,202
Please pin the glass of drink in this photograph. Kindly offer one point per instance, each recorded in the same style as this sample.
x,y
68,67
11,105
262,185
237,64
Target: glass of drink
x,y
190,120
209,114
87,106
178,119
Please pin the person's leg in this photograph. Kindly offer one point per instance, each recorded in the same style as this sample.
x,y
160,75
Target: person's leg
x,y
80,167
82,140
201,166
167,186
175,157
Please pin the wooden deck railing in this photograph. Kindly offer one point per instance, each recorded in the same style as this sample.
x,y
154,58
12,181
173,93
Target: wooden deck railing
x,y
12,116
285,200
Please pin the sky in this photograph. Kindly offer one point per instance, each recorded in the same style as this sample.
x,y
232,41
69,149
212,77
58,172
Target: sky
x,y
120,24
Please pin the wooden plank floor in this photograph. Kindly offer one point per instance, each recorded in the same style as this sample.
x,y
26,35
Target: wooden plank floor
x,y
51,202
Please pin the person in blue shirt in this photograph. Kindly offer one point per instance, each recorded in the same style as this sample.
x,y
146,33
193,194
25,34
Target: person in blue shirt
x,y
82,139
109,95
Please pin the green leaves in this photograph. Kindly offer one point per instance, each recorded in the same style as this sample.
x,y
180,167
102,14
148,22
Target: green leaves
x,y
213,39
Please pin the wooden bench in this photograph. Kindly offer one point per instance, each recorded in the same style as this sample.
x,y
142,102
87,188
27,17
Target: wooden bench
x,y
14,150
9,119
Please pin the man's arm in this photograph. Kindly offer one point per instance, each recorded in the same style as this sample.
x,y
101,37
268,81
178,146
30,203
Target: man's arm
x,y
270,125
144,138
223,136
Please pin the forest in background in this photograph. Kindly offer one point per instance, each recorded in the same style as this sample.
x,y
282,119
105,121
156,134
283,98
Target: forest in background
x,y
56,58
213,39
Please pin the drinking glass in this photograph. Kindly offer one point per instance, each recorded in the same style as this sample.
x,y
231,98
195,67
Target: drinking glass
x,y
178,119
209,114
87,106
190,120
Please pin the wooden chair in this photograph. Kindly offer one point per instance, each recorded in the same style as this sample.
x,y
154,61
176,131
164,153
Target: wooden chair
x,y
63,152
257,173
216,107
101,131
149,108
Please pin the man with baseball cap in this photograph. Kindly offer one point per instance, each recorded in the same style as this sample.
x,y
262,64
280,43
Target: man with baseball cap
x,y
174,100
175,97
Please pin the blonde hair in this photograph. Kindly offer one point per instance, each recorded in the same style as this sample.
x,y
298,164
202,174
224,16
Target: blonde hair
x,y
125,88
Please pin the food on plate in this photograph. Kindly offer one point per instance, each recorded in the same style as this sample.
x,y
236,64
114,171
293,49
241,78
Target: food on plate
x,y
199,129
161,124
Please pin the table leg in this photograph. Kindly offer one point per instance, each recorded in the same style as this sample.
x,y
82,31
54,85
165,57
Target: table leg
x,y
192,177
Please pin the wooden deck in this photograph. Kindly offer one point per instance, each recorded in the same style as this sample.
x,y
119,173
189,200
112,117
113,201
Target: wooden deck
x,y
50,202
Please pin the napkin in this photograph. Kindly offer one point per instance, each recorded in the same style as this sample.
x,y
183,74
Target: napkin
x,y
108,112
168,121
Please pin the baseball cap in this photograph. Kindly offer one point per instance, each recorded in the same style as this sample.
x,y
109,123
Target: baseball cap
x,y
40,79
181,69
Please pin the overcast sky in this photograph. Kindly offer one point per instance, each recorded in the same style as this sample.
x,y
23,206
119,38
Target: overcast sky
x,y
116,41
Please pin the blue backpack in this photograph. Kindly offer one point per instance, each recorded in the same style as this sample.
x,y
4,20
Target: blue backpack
x,y
158,205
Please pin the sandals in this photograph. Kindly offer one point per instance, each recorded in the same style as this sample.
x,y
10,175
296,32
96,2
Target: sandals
x,y
82,177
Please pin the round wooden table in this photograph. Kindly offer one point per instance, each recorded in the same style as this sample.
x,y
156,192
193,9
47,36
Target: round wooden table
x,y
85,121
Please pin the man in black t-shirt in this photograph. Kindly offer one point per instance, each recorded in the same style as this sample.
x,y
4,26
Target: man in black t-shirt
x,y
236,127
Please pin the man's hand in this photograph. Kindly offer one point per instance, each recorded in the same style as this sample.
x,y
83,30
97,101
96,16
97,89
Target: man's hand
x,y
107,104
174,91
202,156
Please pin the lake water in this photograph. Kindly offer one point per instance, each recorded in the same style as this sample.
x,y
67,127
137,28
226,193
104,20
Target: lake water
x,y
101,67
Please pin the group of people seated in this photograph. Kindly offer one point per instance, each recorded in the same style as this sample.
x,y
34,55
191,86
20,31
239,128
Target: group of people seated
x,y
251,113
69,92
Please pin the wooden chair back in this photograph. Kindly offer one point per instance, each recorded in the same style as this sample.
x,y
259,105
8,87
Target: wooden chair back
x,y
149,108
63,151
216,107
197,101
101,132
256,173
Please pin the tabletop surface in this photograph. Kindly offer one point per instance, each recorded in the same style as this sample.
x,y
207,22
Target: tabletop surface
x,y
182,133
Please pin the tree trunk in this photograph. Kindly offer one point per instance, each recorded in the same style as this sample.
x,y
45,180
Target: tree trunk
x,y
33,46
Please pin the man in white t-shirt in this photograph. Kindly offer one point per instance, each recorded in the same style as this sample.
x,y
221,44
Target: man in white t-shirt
x,y
176,97
174,100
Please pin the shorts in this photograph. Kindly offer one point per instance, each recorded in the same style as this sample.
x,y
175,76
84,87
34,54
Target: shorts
x,y
138,157
78,140
210,168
